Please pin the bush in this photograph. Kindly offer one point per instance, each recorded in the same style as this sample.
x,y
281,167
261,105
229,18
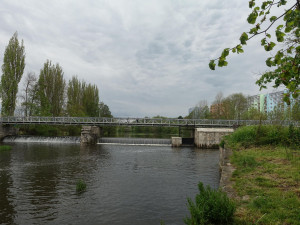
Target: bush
x,y
260,135
80,186
210,207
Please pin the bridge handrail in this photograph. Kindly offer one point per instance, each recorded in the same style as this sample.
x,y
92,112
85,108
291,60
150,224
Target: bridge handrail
x,y
137,121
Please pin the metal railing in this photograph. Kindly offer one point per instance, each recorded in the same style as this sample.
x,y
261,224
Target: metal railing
x,y
99,121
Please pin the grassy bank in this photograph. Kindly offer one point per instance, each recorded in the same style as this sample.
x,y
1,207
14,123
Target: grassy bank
x,y
267,181
267,175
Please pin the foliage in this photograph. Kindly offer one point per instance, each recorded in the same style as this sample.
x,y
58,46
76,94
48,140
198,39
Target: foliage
x,y
200,111
75,97
80,186
267,190
4,148
12,71
91,100
104,110
287,59
210,207
51,86
29,95
260,135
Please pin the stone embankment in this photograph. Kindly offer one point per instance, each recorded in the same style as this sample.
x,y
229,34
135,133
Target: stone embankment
x,y
226,170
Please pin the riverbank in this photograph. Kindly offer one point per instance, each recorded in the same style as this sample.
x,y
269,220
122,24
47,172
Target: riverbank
x,y
263,180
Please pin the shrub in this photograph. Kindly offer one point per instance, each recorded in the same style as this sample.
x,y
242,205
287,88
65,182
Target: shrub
x,y
80,186
210,207
260,135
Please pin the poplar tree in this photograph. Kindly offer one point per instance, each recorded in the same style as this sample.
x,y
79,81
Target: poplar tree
x,y
91,100
12,71
75,97
51,90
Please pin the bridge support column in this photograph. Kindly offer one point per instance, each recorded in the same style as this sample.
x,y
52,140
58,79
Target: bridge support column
x,y
210,137
176,141
7,130
89,135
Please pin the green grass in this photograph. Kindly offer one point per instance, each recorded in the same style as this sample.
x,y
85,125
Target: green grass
x,y
80,186
4,148
261,135
267,182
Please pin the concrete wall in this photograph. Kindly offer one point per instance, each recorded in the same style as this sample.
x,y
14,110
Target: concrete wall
x,y
7,131
210,137
176,141
89,135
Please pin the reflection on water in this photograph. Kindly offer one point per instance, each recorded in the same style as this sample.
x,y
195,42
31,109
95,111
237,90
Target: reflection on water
x,y
125,184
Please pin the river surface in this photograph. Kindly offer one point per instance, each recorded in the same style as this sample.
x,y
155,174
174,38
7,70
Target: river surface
x,y
125,184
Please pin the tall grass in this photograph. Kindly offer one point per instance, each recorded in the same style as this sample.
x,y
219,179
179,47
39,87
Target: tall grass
x,y
260,135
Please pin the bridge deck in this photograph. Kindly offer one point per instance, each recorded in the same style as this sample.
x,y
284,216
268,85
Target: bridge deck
x,y
99,121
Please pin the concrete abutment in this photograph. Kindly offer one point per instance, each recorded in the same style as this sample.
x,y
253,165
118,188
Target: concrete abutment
x,y
7,130
89,135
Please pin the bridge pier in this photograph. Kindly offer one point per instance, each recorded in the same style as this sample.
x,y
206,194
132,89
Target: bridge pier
x,y
89,135
210,137
7,130
176,141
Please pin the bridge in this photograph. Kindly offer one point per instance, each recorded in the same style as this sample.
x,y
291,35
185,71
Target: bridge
x,y
119,121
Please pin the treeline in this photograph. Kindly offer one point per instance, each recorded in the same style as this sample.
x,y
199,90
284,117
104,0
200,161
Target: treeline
x,y
48,94
237,107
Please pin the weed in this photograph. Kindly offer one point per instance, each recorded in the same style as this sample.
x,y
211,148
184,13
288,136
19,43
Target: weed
x,y
210,207
4,148
80,186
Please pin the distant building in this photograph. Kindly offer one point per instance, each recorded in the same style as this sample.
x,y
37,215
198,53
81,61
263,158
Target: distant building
x,y
272,100
256,102
266,103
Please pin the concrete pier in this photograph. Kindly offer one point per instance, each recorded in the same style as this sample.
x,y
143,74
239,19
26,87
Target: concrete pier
x,y
7,130
89,135
176,141
210,137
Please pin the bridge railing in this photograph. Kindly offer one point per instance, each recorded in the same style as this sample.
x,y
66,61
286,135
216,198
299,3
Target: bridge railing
x,y
138,121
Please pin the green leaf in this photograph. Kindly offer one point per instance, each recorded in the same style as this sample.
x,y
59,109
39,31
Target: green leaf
x,y
279,27
244,38
273,18
269,62
234,50
263,41
279,35
251,3
225,52
252,17
268,35
212,64
270,46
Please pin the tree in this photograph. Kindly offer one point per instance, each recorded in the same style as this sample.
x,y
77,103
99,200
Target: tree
x,y
12,71
104,110
51,86
91,100
29,95
75,97
200,111
287,59
217,108
234,106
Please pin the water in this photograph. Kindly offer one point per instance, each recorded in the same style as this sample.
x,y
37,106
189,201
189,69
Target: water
x,y
125,184
136,141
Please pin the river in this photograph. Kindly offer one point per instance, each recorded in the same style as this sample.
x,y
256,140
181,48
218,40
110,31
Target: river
x,y
125,184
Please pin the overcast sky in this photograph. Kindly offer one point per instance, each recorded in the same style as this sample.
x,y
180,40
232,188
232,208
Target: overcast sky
x,y
146,57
